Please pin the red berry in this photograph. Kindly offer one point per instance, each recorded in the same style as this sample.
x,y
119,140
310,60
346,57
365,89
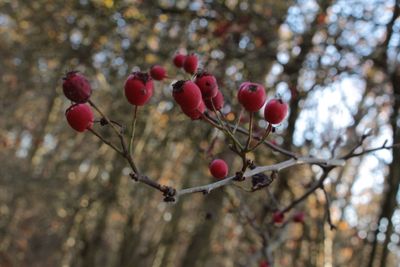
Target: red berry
x,y
242,85
299,217
158,72
138,88
187,94
216,102
278,217
275,111
218,168
76,87
207,84
251,96
264,263
195,114
190,64
179,59
80,117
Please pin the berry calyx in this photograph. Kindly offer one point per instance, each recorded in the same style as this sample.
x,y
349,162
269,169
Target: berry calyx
x,y
218,168
251,96
76,87
275,111
207,84
158,72
216,102
80,117
187,94
196,113
178,60
278,217
138,88
298,217
190,64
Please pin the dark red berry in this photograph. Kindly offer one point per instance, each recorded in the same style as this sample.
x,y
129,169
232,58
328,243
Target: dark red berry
x,y
76,87
80,117
242,85
218,168
187,94
138,88
179,59
190,64
158,72
207,84
264,263
195,114
251,96
298,217
216,102
278,217
275,111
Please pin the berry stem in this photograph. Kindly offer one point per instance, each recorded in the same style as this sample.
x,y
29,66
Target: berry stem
x,y
105,141
267,132
238,120
246,149
226,129
133,127
207,119
125,152
104,116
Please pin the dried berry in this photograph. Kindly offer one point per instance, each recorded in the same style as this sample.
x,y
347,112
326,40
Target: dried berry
x,y
76,87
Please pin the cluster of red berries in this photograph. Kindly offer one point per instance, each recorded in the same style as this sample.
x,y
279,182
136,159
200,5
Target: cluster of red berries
x,y
189,63
77,89
193,96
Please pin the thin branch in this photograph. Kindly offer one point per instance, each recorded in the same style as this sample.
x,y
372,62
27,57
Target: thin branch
x,y
311,190
327,207
366,151
167,191
276,167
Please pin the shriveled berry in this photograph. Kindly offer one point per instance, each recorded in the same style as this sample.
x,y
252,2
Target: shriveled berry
x,y
275,111
278,217
218,168
158,72
207,84
138,88
298,217
216,102
190,64
80,117
251,96
178,60
76,87
195,114
187,94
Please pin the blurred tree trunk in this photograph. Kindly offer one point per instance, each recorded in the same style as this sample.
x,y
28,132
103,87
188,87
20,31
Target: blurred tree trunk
x,y
392,181
198,251
93,241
